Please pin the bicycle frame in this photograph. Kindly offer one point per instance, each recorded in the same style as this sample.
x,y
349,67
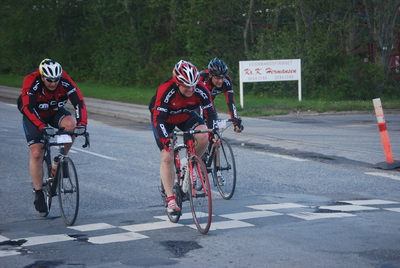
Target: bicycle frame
x,y
191,183
220,161
212,151
189,145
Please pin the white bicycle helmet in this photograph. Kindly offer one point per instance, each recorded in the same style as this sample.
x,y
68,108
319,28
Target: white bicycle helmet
x,y
50,69
186,74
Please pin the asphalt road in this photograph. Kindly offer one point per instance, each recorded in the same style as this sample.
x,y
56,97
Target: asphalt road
x,y
308,195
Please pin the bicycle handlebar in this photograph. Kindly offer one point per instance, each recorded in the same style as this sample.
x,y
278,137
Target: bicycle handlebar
x,y
51,133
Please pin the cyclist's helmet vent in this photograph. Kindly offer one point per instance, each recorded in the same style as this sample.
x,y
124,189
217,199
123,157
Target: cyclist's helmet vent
x,y
50,69
217,67
186,74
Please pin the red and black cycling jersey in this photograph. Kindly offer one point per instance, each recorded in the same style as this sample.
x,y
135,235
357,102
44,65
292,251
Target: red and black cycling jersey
x,y
226,88
38,103
173,108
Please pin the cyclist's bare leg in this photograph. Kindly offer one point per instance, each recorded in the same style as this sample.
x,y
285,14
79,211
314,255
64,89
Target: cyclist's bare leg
x,y
167,170
69,123
36,164
202,141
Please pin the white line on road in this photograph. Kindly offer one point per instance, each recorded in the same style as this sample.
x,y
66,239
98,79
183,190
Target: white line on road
x,y
150,226
347,208
370,202
250,215
381,174
284,157
308,216
221,225
122,237
92,227
99,155
276,206
9,253
39,240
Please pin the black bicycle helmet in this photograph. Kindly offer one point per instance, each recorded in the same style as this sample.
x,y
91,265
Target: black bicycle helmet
x,y
217,67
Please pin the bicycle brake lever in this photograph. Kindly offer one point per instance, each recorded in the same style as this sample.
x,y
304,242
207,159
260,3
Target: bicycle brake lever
x,y
87,142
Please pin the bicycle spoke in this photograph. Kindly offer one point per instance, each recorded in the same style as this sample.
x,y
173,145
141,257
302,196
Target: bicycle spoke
x,y
200,197
46,186
225,170
68,191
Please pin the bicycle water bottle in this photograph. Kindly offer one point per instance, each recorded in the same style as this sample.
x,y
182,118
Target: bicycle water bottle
x,y
185,175
184,162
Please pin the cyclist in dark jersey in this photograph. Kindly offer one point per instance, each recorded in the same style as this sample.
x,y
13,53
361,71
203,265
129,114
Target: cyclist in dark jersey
x,y
217,81
174,104
45,92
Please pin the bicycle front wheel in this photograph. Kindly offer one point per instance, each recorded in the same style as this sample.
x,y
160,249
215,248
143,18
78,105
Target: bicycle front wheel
x,y
68,191
225,170
46,187
199,193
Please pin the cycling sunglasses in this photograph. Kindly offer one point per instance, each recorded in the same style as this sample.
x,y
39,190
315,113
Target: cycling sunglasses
x,y
52,80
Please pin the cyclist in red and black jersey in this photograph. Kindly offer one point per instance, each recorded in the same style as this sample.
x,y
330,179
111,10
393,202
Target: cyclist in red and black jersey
x,y
174,104
217,81
45,92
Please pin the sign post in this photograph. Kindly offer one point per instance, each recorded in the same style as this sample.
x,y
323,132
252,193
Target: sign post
x,y
269,70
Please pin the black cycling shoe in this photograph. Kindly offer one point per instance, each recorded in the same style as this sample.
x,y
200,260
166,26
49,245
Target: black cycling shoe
x,y
40,203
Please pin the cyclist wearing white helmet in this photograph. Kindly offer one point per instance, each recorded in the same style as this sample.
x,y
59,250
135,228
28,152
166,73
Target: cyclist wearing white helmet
x,y
217,81
174,105
45,92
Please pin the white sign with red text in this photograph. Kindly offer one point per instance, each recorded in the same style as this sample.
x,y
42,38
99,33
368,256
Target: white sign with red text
x,y
269,70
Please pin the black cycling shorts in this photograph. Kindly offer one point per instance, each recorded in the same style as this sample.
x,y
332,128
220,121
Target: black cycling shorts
x,y
33,134
193,121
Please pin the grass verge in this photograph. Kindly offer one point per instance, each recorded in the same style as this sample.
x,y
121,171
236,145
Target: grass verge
x,y
254,105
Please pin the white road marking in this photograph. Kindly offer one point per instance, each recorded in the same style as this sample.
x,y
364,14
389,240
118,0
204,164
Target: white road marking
x,y
348,208
184,216
276,206
3,238
221,225
250,215
113,238
150,226
236,221
308,216
284,157
386,175
99,155
92,227
393,209
370,202
47,239
12,105
7,253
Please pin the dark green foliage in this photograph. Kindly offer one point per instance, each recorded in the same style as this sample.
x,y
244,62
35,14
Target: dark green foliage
x,y
135,42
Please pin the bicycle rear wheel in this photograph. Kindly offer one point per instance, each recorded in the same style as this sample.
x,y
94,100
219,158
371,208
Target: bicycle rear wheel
x,y
200,197
225,170
68,190
173,217
46,185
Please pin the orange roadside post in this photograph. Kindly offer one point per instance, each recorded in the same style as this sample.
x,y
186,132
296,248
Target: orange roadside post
x,y
390,162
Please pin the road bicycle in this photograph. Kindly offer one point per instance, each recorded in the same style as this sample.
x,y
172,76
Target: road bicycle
x,y
220,161
191,181
64,181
